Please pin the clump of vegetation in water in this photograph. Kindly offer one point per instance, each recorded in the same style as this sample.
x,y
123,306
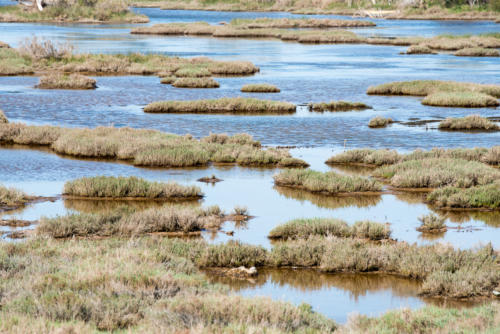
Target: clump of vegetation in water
x,y
438,172
304,228
380,122
192,72
419,50
479,197
328,183
237,105
443,93
39,55
337,106
128,187
432,223
195,83
168,80
380,157
149,147
297,23
477,52
471,122
12,196
92,11
3,118
260,88
64,81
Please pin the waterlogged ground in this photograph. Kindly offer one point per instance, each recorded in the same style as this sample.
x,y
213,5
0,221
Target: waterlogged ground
x,y
305,73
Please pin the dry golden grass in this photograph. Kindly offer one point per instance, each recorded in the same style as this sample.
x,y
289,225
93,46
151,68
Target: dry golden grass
x,y
298,23
260,88
337,106
477,52
12,197
128,187
195,83
226,105
419,50
168,80
380,122
329,183
3,118
471,122
195,28
443,93
148,147
64,81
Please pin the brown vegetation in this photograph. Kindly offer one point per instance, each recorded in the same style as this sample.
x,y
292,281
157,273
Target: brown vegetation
x,y
471,122
380,122
3,118
63,81
195,83
260,88
337,106
477,52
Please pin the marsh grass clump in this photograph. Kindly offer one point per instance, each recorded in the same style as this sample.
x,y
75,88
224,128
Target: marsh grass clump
x,y
419,50
125,221
195,83
3,118
432,223
260,88
238,105
471,122
12,197
193,72
297,23
438,172
168,80
193,28
128,187
64,81
477,52
329,183
304,228
143,147
479,197
380,122
337,106
365,156
443,93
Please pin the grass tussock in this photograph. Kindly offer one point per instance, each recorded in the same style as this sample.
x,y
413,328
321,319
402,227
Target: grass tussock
x,y
430,319
438,172
97,11
260,88
477,52
148,147
195,28
432,223
63,81
381,157
304,228
329,183
443,93
479,197
443,270
238,105
195,83
471,122
12,197
337,106
126,221
380,122
168,80
259,23
419,50
128,187
42,55
3,118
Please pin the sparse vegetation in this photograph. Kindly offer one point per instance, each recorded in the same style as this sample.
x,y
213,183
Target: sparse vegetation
x,y
443,93
38,55
329,183
195,83
337,106
236,105
432,223
98,11
63,81
438,172
128,187
479,197
148,147
471,122
380,122
260,88
3,118
477,52
304,228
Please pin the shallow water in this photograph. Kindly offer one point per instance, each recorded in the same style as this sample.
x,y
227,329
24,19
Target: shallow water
x,y
305,73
